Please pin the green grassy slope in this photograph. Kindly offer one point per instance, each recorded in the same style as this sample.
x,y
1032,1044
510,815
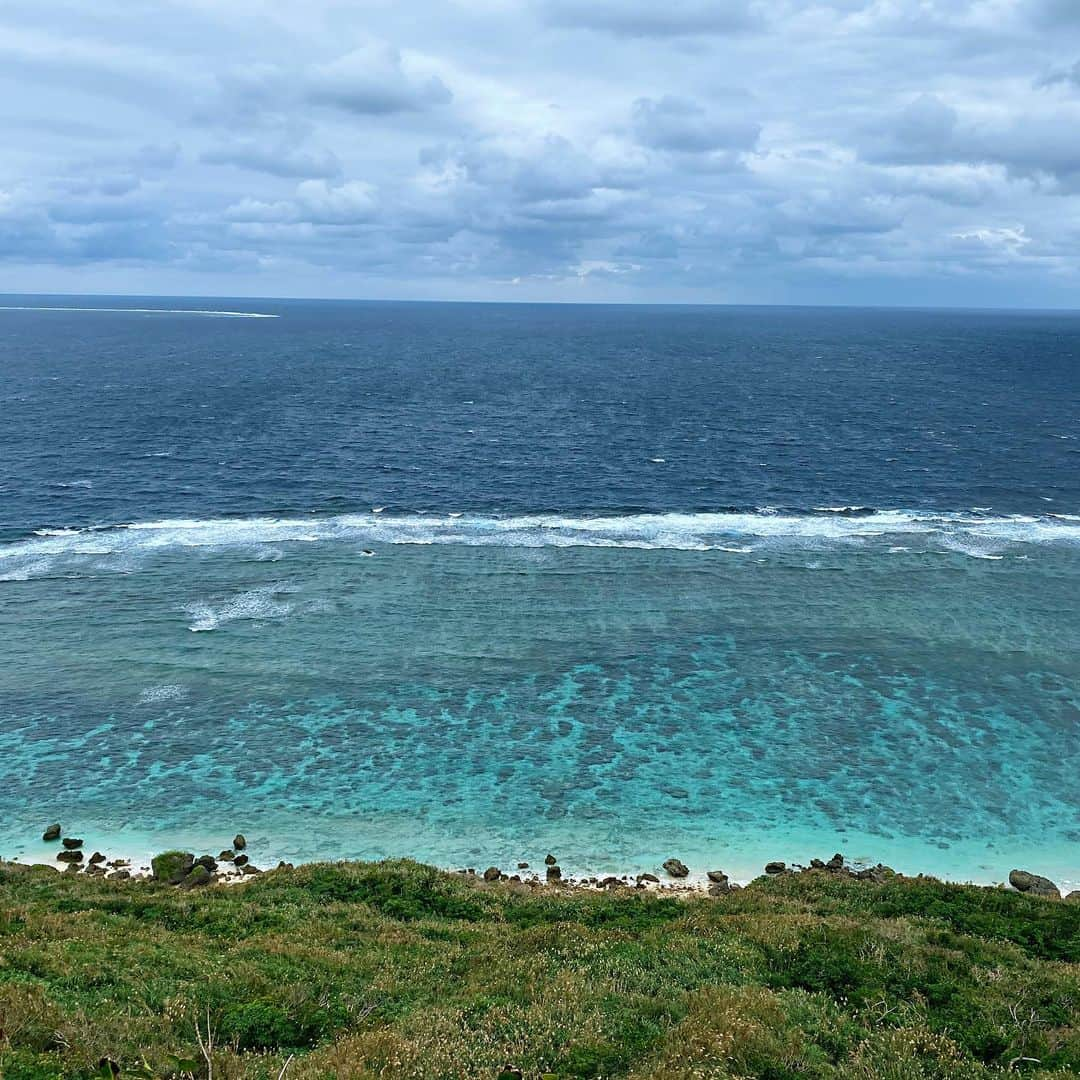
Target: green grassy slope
x,y
399,970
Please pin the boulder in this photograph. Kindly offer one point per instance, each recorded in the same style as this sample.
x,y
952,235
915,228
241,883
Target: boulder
x,y
492,873
676,868
836,862
1026,882
96,858
199,876
523,866
71,843
648,877
241,860
172,866
775,867
226,856
249,869
554,873
120,875
717,876
816,864
239,842
69,857
1074,896
611,883
208,861
550,860
51,833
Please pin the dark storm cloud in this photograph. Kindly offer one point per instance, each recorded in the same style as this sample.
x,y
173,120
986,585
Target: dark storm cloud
x,y
543,149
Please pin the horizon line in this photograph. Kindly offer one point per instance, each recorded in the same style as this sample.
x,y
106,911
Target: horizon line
x,y
534,303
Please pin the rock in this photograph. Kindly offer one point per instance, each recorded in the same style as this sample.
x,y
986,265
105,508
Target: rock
x,y
1026,882
226,856
208,861
172,866
676,868
71,843
492,873
283,865
120,875
611,883
249,869
836,862
550,860
241,860
719,885
775,867
51,833
95,871
523,866
199,876
649,877
96,858
69,857
554,873
239,842
1074,896
816,864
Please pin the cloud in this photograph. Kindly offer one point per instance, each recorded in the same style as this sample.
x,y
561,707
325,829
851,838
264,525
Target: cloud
x,y
544,149
315,202
648,19
276,160
681,125
372,79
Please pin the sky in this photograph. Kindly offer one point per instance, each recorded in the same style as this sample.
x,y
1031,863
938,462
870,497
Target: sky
x,y
908,152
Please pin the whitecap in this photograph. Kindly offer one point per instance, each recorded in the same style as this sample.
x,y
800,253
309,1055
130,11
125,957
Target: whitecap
x,y
153,695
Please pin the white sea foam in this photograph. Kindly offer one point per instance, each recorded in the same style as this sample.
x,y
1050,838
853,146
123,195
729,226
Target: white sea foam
x,y
977,535
143,311
256,604
153,695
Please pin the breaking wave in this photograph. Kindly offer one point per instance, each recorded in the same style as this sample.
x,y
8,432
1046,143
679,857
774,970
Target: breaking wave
x,y
143,311
976,534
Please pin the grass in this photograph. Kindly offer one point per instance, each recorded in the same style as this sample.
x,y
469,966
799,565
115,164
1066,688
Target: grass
x,y
399,970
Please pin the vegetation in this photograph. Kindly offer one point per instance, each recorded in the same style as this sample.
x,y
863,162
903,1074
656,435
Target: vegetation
x,y
398,970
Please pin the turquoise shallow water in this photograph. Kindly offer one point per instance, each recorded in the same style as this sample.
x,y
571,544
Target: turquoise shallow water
x,y
912,698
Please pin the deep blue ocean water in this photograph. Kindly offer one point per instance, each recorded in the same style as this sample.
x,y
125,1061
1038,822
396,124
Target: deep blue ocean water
x,y
476,582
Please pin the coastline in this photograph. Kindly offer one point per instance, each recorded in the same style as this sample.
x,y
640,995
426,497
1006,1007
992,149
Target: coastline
x,y
700,877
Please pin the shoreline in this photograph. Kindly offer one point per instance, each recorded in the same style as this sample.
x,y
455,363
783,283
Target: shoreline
x,y
104,860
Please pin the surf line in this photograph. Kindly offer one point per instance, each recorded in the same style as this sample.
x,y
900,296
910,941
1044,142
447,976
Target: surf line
x,y
144,311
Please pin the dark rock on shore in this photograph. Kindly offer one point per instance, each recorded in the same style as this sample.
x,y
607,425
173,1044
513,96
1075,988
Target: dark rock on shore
x,y
51,833
492,873
717,875
199,876
1074,896
120,875
676,868
69,857
1026,882
836,862
96,858
550,860
239,842
208,861
226,856
71,843
554,873
648,877
775,867
249,869
172,866
523,866
240,860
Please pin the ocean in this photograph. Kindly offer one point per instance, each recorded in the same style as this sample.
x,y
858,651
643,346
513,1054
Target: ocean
x,y
473,583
